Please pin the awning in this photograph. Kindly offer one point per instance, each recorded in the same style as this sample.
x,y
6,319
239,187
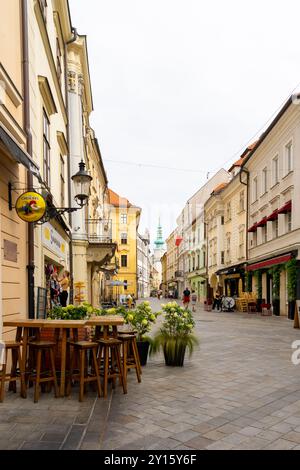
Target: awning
x,y
178,241
270,262
253,228
17,153
286,208
273,216
263,222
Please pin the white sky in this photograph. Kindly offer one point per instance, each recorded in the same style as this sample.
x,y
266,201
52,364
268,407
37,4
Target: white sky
x,y
183,84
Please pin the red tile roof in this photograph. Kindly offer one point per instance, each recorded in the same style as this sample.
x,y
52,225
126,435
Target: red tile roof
x,y
116,200
220,188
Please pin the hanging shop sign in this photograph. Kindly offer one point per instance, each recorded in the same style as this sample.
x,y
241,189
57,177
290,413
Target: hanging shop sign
x,y
53,241
31,206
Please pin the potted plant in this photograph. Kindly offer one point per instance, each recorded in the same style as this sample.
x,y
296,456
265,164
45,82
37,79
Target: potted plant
x,y
291,270
175,335
141,320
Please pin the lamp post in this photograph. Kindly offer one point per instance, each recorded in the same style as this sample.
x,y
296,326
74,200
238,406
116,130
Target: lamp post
x,y
82,182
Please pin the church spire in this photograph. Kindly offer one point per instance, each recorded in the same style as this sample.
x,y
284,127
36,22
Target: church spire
x,y
159,242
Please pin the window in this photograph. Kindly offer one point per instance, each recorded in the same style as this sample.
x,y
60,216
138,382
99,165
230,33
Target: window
x,y
198,261
204,259
275,170
228,211
222,257
193,263
46,148
62,181
289,221
228,242
222,220
242,201
58,61
264,234
264,180
254,239
289,157
255,189
125,284
275,228
124,238
124,261
43,5
241,237
123,218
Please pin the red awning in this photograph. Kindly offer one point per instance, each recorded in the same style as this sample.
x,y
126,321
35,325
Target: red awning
x,y
273,216
269,262
253,228
263,222
178,241
286,208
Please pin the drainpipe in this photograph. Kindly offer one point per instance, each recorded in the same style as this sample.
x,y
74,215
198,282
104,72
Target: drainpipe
x,y
246,183
26,117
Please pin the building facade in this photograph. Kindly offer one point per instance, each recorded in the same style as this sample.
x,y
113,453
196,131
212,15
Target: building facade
x,y
272,170
143,262
125,219
172,261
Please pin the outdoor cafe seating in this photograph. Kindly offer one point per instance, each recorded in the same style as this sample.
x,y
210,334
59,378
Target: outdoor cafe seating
x,y
101,358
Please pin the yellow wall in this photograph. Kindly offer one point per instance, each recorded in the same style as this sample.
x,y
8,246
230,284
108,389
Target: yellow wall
x,y
130,273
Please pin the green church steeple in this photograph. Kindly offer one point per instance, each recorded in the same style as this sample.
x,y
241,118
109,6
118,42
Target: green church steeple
x,y
159,242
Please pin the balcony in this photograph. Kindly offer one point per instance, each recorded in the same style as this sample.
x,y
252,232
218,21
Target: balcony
x,y
101,249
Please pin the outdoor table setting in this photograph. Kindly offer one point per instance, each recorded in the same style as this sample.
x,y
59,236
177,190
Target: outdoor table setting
x,y
63,329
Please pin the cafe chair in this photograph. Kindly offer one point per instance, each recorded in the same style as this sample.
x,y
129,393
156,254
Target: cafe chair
x,y
16,373
266,309
110,364
39,349
84,376
130,356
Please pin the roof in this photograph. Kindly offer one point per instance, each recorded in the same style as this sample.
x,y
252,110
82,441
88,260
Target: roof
x,y
240,161
271,126
116,200
219,188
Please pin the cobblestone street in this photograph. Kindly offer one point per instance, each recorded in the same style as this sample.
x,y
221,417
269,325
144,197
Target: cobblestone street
x,y
238,391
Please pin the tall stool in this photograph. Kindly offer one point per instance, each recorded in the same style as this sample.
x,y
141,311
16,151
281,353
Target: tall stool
x,y
81,349
12,377
112,365
130,362
38,348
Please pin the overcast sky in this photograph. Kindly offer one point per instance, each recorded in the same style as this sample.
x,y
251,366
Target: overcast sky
x,y
183,84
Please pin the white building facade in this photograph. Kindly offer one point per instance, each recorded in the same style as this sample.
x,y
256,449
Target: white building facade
x,y
143,265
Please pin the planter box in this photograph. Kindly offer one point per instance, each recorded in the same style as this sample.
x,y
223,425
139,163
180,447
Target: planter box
x,y
143,349
178,359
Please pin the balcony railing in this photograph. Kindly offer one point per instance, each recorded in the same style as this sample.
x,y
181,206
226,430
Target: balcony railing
x,y
99,231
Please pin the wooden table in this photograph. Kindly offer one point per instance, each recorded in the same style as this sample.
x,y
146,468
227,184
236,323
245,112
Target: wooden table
x,y
64,326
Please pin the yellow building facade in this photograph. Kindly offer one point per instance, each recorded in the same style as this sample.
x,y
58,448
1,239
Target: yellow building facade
x,y
125,218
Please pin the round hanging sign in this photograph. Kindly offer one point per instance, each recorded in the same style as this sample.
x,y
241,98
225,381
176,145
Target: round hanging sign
x,y
30,206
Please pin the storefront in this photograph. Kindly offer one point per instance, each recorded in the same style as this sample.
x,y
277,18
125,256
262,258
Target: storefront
x,y
232,280
198,283
55,252
271,281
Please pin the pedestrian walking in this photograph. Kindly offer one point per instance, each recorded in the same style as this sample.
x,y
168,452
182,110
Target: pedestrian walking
x,y
129,301
186,298
194,300
217,300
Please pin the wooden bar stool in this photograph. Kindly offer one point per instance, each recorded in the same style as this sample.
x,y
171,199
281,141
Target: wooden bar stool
x,y
130,361
112,365
81,349
38,348
12,377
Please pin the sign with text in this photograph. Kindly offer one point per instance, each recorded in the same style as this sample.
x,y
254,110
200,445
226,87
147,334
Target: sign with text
x,y
53,241
31,206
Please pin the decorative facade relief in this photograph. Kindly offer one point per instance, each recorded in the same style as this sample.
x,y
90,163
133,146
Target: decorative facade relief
x,y
72,81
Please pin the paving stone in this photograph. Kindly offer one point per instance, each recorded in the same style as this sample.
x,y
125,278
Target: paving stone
x,y
185,435
199,443
280,444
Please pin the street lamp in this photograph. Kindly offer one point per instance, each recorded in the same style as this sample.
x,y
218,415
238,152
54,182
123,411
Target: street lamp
x,y
82,182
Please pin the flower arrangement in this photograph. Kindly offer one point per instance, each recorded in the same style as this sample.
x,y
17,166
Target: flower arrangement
x,y
141,320
175,335
72,312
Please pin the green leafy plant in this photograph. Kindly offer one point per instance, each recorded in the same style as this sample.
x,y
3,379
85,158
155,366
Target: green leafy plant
x,y
258,277
275,273
176,333
141,320
72,312
291,269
